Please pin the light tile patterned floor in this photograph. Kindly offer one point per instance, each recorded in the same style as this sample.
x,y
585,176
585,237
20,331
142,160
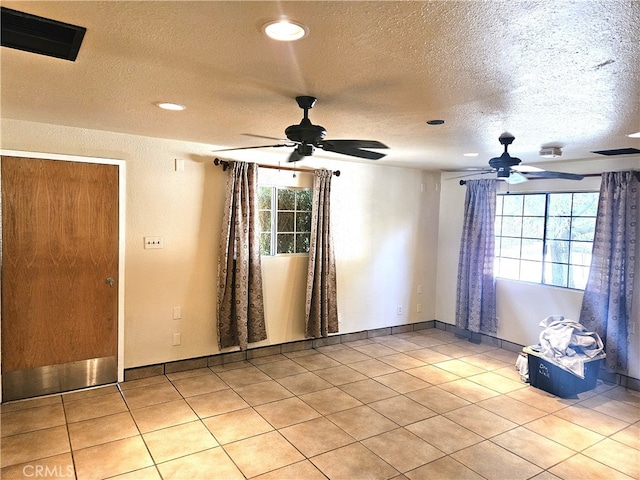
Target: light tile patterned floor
x,y
418,405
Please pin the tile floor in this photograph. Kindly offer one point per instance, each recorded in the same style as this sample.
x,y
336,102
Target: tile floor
x,y
418,405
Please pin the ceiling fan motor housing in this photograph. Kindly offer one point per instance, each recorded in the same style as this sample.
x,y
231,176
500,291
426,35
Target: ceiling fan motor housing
x,y
305,132
305,149
503,164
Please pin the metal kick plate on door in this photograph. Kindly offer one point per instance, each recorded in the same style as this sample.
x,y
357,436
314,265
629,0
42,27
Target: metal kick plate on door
x,y
49,379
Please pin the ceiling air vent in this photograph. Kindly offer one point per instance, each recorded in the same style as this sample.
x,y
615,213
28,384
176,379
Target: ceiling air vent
x,y
618,151
24,31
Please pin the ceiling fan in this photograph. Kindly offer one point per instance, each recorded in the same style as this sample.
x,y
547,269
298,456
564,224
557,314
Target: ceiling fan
x,y
306,137
509,168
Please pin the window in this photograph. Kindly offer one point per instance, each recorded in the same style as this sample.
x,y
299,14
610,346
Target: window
x,y
285,220
545,237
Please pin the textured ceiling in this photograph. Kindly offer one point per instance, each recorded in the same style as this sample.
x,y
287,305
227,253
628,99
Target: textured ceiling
x,y
564,73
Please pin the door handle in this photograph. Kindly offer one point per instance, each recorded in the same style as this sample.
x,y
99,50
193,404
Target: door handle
x,y
110,281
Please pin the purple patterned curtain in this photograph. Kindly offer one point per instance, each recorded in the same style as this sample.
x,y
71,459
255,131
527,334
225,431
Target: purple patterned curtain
x,y
608,296
240,304
476,296
321,314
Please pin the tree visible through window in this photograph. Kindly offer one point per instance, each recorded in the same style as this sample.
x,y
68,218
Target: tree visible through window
x,y
285,220
545,237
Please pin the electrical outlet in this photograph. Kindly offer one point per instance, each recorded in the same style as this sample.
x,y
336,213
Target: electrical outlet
x,y
418,308
419,289
176,339
177,313
399,311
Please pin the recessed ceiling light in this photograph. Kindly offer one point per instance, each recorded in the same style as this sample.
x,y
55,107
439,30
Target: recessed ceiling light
x,y
171,106
470,154
435,122
285,30
634,135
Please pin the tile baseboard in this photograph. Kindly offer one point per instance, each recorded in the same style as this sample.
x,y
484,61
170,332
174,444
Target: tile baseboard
x,y
136,373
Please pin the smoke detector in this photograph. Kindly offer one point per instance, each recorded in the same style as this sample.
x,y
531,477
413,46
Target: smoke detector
x,y
551,152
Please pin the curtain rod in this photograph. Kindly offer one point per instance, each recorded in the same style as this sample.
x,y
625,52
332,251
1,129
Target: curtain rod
x,y
637,174
225,164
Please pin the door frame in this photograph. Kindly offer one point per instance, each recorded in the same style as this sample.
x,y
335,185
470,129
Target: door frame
x,y
121,164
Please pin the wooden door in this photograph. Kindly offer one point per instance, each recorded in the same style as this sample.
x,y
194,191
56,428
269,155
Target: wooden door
x,y
59,275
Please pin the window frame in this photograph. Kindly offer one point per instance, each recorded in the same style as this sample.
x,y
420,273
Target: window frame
x,y
274,221
545,263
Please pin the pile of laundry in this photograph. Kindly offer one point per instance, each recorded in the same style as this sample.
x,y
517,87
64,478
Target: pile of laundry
x,y
568,344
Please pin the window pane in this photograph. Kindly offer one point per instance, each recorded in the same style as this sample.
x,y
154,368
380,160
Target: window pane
x,y
530,271
265,220
499,204
302,243
512,204
559,228
285,222
512,226
578,277
497,227
557,251
286,199
581,253
533,227
510,268
264,198
285,243
583,228
532,250
534,205
556,274
304,199
560,204
510,247
303,222
585,204
265,244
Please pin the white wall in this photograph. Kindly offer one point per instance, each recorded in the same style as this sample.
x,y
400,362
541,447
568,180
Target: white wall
x,y
520,305
385,223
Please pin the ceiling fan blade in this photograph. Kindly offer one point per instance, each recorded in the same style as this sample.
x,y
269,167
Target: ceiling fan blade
x,y
264,136
471,174
257,146
353,152
468,170
548,174
355,143
526,169
295,156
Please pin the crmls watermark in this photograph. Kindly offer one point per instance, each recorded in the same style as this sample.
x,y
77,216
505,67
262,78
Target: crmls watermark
x,y
48,471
